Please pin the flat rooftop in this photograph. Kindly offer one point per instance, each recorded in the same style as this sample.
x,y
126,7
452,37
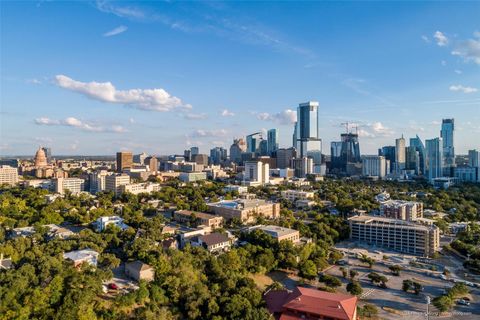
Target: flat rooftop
x,y
201,215
239,203
277,231
388,221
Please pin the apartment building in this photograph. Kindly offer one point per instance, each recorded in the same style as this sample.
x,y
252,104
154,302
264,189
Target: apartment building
x,y
114,183
198,218
400,209
8,175
74,185
399,235
137,188
246,210
293,195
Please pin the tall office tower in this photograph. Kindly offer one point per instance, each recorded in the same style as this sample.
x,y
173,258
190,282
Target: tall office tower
x,y
97,181
336,155
473,158
345,152
419,146
374,166
412,159
48,153
218,155
400,154
140,158
194,151
263,148
152,163
285,156
389,153
236,149
253,142
306,132
447,135
302,166
200,159
272,139
187,154
124,160
434,150
257,171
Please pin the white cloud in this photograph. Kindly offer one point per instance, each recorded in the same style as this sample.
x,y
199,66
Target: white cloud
x,y
79,124
426,39
34,81
144,99
463,89
227,113
286,117
194,116
114,32
457,71
440,38
469,49
201,133
123,12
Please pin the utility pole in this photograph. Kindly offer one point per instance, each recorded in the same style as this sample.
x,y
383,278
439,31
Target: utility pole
x,y
428,307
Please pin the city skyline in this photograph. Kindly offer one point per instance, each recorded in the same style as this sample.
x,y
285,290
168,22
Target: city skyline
x,y
66,85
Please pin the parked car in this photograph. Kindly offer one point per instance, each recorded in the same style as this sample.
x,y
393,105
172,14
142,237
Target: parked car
x,y
112,286
463,302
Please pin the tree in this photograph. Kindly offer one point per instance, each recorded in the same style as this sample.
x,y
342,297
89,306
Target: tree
x,y
367,311
330,281
353,274
354,288
344,272
417,287
407,285
368,260
308,270
443,303
395,269
378,279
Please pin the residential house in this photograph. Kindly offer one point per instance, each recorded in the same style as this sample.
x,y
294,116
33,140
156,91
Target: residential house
x,y
78,257
139,271
213,242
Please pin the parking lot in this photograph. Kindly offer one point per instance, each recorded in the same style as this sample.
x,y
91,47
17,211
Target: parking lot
x,y
392,302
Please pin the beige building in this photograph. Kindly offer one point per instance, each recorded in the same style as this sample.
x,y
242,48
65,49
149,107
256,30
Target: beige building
x,y
8,175
124,160
114,183
245,209
399,235
74,185
185,216
136,188
279,233
139,271
400,209
293,195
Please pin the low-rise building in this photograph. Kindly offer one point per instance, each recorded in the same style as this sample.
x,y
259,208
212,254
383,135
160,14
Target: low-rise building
x,y
245,210
138,270
78,257
279,233
400,209
213,242
102,223
114,183
74,185
404,236
198,218
137,188
293,195
308,303
239,189
192,176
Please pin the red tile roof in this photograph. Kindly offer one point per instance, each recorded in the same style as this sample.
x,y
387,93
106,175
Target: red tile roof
x,y
311,301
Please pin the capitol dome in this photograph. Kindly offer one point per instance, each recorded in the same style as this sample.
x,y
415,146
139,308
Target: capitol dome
x,y
40,158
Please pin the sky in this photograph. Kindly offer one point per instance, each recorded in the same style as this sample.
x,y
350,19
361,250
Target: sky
x,y
94,78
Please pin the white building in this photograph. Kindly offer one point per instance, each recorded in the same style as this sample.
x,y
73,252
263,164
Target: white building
x,y
82,256
98,181
192,176
136,188
8,175
239,189
374,166
256,171
114,182
103,222
293,195
74,185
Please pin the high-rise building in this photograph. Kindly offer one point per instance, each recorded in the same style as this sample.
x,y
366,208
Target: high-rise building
x,y
152,163
285,156
74,185
434,151
473,158
374,166
400,154
447,135
194,151
140,158
253,141
272,141
345,153
97,181
218,155
114,182
8,175
236,149
257,171
124,160
200,159
412,159
187,155
419,146
302,166
306,131
389,153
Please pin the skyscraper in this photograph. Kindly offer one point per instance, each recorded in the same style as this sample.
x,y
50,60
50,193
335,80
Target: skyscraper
x,y
400,154
419,146
473,158
236,149
434,151
447,135
345,152
194,151
306,132
218,155
48,153
253,141
389,153
272,140
124,160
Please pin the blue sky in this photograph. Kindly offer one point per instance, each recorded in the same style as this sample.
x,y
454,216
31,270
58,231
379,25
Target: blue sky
x,y
98,77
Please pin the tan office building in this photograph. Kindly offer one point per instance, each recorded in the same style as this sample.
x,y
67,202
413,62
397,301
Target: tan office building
x,y
124,160
8,175
209,220
399,235
245,209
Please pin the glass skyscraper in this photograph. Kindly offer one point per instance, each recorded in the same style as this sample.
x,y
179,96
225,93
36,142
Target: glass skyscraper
x,y
272,139
418,145
306,134
434,152
447,135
